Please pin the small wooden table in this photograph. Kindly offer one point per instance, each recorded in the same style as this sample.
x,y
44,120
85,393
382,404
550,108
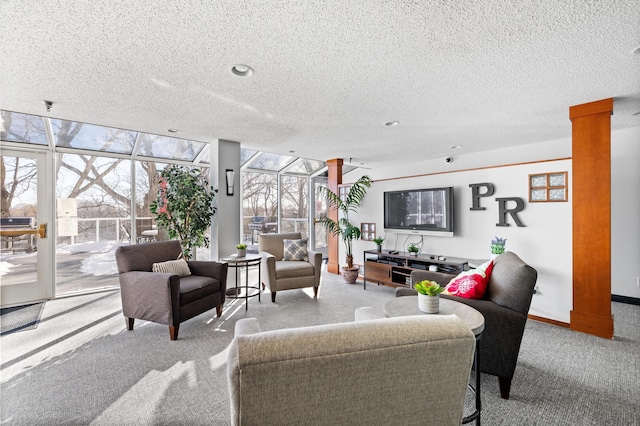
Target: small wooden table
x,y
408,305
246,262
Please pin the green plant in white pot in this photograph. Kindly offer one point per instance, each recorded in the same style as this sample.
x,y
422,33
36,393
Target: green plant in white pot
x,y
343,227
184,206
242,250
428,296
378,240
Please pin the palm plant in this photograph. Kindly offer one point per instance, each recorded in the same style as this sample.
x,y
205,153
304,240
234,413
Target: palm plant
x,y
343,228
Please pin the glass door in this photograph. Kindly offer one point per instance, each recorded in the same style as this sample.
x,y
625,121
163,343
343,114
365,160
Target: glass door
x,y
24,244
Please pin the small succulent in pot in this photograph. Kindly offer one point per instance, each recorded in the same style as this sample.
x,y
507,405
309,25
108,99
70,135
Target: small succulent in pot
x,y
428,288
241,246
413,249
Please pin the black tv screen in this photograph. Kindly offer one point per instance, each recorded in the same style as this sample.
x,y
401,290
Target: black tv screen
x,y
419,211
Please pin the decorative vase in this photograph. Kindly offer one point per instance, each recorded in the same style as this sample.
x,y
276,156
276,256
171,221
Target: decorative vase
x,y
379,248
242,252
429,304
350,275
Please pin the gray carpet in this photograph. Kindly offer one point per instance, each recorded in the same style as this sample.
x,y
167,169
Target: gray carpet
x,y
20,318
82,367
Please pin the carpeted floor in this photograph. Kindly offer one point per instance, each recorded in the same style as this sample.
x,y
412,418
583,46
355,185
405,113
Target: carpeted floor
x,y
82,367
20,318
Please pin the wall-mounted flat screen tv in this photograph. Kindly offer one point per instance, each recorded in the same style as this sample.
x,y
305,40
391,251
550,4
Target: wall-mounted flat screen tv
x,y
419,211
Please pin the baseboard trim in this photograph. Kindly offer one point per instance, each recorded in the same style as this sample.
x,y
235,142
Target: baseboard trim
x,y
548,321
625,299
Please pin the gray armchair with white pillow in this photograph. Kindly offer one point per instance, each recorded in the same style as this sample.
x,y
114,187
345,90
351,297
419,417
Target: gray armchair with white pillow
x,y
288,264
156,286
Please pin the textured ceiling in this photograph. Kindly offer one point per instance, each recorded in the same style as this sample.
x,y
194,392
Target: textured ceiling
x,y
328,74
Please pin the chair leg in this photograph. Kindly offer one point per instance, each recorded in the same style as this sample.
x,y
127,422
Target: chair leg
x,y
173,331
315,292
219,310
505,387
129,322
273,297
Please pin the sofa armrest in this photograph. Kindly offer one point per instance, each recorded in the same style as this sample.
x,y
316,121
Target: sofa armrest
x,y
211,269
268,266
247,326
439,277
315,258
501,338
151,296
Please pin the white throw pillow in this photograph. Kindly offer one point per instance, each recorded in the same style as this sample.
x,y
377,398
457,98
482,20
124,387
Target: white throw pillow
x,y
295,250
179,267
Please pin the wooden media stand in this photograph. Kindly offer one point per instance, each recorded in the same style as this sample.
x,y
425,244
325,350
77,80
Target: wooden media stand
x,y
395,269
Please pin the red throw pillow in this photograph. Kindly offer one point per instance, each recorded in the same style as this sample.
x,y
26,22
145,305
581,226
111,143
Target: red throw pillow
x,y
471,284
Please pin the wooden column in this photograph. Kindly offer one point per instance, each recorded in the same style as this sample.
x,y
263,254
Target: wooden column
x,y
335,179
591,146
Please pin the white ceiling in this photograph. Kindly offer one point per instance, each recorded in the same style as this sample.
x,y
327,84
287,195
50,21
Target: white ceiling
x,y
328,74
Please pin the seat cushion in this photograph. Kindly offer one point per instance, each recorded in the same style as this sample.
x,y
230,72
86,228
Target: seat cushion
x,y
195,287
293,269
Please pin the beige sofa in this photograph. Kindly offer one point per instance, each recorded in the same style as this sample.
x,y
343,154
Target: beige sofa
x,y
278,274
410,370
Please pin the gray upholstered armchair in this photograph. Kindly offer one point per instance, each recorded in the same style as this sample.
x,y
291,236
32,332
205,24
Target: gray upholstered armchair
x,y
167,298
279,274
411,370
505,307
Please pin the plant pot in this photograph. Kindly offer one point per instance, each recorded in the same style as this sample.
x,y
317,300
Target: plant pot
x,y
350,275
379,248
429,304
242,252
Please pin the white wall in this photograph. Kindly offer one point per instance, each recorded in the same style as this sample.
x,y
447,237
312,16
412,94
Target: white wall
x,y
225,155
625,212
546,240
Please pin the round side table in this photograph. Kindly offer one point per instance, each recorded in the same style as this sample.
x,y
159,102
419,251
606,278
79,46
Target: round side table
x,y
239,263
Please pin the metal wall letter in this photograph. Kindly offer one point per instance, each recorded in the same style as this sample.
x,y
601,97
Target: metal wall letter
x,y
476,194
503,211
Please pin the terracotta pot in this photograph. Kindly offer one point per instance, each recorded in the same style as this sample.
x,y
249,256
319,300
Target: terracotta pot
x,y
350,275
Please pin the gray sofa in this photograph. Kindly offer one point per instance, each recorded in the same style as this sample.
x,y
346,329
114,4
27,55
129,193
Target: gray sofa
x,y
278,274
167,298
410,370
505,307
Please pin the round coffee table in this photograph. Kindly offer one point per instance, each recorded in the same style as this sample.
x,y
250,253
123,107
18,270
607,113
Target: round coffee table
x,y
408,305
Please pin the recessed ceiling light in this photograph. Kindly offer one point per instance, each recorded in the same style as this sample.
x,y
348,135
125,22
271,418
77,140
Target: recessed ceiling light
x,y
456,147
242,70
391,123
173,131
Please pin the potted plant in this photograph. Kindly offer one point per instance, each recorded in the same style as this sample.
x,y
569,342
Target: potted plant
x,y
242,250
497,246
343,227
428,296
184,206
413,249
378,240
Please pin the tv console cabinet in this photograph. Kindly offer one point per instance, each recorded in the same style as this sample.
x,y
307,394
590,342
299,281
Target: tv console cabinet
x,y
394,269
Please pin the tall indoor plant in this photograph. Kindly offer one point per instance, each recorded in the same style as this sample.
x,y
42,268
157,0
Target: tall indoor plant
x,y
184,206
343,227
